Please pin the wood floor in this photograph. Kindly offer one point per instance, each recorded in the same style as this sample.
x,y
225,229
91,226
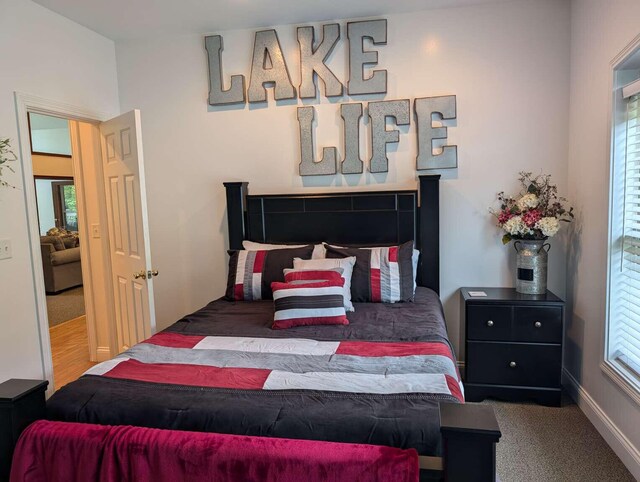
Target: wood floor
x,y
70,351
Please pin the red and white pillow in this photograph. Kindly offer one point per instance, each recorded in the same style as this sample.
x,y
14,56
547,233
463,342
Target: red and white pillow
x,y
314,303
344,264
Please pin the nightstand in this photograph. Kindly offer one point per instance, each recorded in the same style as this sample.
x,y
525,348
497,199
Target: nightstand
x,y
513,345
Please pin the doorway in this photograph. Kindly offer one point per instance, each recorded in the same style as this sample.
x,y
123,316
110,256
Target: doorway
x,y
62,259
109,181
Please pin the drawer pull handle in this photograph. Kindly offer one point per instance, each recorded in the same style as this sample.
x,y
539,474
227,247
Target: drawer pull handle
x,y
490,323
537,324
513,364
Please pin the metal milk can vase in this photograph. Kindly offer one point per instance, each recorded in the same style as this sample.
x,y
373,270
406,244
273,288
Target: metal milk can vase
x,y
531,263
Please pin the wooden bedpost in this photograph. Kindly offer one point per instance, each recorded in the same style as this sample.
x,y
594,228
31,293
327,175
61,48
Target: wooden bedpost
x,y
21,403
470,432
429,232
236,206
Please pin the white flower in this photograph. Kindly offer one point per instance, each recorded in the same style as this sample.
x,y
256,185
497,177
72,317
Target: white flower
x,y
515,226
549,226
528,201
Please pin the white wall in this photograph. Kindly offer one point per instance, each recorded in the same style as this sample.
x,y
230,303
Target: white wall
x,y
508,64
46,214
600,30
52,57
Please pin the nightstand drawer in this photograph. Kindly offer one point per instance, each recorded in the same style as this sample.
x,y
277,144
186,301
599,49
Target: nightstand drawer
x,y
541,325
489,323
513,364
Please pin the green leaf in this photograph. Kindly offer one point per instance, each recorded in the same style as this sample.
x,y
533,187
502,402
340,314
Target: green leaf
x,y
533,189
506,239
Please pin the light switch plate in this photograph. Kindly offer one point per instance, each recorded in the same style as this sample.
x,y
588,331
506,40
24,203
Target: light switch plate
x,y
95,231
5,249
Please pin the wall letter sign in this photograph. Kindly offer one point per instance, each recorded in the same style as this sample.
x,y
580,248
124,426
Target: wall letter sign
x,y
351,115
380,136
269,66
217,94
445,106
308,166
312,61
269,70
376,30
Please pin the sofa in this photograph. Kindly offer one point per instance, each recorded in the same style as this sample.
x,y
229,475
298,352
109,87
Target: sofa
x,y
61,263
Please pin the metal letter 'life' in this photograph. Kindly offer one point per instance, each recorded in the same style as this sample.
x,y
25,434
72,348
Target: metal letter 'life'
x,y
351,115
445,106
312,61
217,94
376,30
268,65
380,136
308,166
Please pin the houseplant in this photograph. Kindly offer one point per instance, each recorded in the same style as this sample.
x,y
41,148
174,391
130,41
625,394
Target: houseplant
x,y
6,156
530,218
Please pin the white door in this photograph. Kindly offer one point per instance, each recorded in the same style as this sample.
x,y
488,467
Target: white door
x,y
128,229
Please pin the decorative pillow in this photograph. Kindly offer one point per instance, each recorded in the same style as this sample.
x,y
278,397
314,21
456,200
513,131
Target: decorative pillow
x,y
69,241
252,272
415,258
304,276
380,275
57,242
346,264
318,249
319,303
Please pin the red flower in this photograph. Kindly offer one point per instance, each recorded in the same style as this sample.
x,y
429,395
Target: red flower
x,y
531,217
504,216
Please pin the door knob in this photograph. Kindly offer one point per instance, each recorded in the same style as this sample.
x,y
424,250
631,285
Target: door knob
x,y
537,324
513,364
151,273
490,323
140,274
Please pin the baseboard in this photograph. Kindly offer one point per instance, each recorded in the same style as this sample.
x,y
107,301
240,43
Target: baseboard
x,y
618,441
103,353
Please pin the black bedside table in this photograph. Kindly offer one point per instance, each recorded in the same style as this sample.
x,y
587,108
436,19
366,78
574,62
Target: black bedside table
x,y
513,345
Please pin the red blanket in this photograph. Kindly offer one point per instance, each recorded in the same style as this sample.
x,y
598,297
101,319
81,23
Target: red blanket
x,y
62,451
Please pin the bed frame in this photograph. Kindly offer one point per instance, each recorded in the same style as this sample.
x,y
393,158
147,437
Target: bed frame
x,y
469,431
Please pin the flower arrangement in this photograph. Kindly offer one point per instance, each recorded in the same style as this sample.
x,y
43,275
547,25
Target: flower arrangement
x,y
6,156
535,213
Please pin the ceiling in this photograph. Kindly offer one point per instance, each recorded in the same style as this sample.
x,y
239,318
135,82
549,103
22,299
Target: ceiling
x,y
129,19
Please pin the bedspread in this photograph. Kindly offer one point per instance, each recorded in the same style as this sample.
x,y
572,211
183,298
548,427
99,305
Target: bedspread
x,y
222,369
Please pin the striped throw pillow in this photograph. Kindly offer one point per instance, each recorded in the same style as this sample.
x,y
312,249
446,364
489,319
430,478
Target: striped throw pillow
x,y
252,272
314,303
380,275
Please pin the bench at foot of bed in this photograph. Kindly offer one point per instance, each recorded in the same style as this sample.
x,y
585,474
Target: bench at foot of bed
x,y
469,431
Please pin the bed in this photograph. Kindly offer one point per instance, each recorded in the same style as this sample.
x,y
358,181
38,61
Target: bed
x,y
388,378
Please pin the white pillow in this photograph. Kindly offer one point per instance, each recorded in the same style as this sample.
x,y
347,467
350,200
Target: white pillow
x,y
318,250
346,264
415,256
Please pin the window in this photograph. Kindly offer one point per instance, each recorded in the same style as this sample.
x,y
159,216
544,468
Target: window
x,y
49,135
622,355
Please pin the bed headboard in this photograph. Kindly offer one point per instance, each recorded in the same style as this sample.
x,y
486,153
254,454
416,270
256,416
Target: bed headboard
x,y
358,218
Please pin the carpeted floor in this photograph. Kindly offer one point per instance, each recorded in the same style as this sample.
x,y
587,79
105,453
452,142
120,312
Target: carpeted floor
x,y
553,444
65,306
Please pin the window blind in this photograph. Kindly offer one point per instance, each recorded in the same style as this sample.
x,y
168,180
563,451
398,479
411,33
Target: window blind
x,y
625,345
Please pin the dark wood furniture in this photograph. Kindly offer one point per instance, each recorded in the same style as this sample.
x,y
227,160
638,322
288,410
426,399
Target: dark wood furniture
x,y
371,218
375,218
21,402
513,345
